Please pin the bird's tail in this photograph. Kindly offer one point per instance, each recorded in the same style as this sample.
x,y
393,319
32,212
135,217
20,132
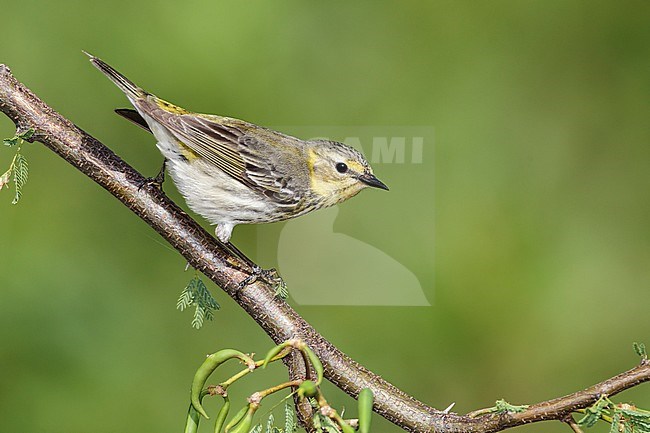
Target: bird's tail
x,y
131,90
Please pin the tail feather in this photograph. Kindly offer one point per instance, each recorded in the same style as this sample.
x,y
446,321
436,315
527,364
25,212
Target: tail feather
x,y
127,86
133,117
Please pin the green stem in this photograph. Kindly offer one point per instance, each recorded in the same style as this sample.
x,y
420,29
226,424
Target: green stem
x,y
604,417
246,371
280,387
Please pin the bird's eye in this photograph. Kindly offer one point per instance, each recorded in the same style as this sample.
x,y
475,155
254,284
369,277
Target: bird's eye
x,y
341,167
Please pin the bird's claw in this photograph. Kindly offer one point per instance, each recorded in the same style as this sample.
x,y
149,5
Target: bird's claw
x,y
156,181
271,276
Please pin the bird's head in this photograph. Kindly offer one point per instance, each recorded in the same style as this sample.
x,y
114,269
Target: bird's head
x,y
338,172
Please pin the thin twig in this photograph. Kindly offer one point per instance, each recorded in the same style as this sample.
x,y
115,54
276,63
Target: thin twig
x,y
266,392
573,424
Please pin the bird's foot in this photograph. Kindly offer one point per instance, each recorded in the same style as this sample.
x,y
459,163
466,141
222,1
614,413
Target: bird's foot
x,y
156,181
271,276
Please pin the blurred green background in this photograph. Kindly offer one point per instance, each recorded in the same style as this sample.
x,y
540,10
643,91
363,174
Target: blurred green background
x,y
526,222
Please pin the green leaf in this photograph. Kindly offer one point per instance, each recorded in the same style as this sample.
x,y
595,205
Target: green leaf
x,y
269,424
197,294
277,283
281,290
324,424
639,348
257,429
502,406
26,135
10,141
185,300
21,171
290,424
593,413
205,298
632,418
328,425
197,320
616,423
18,138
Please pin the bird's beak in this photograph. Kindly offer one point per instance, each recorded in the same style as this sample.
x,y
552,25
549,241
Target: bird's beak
x,y
371,180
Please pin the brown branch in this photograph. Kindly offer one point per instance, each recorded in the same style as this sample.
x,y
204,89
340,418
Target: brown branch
x,y
573,424
273,315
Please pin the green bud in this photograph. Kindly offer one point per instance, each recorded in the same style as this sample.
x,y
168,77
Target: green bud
x,y
238,417
365,400
245,425
315,362
307,389
273,353
205,370
222,415
192,423
246,421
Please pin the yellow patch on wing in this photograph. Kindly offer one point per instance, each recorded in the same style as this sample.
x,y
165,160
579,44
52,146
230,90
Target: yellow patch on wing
x,y
187,152
171,108
175,109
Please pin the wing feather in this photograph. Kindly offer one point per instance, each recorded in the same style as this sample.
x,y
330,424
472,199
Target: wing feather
x,y
237,149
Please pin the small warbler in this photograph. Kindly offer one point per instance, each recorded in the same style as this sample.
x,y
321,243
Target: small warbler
x,y
233,172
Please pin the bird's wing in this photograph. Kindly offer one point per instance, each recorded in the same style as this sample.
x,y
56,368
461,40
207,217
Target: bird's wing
x,y
236,148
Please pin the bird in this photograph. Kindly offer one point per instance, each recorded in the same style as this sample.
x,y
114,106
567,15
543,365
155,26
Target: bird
x,y
233,172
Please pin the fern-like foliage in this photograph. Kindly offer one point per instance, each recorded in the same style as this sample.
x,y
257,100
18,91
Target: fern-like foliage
x,y
324,424
13,141
595,412
502,406
18,169
639,349
21,172
269,424
281,290
196,294
630,419
624,418
290,424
